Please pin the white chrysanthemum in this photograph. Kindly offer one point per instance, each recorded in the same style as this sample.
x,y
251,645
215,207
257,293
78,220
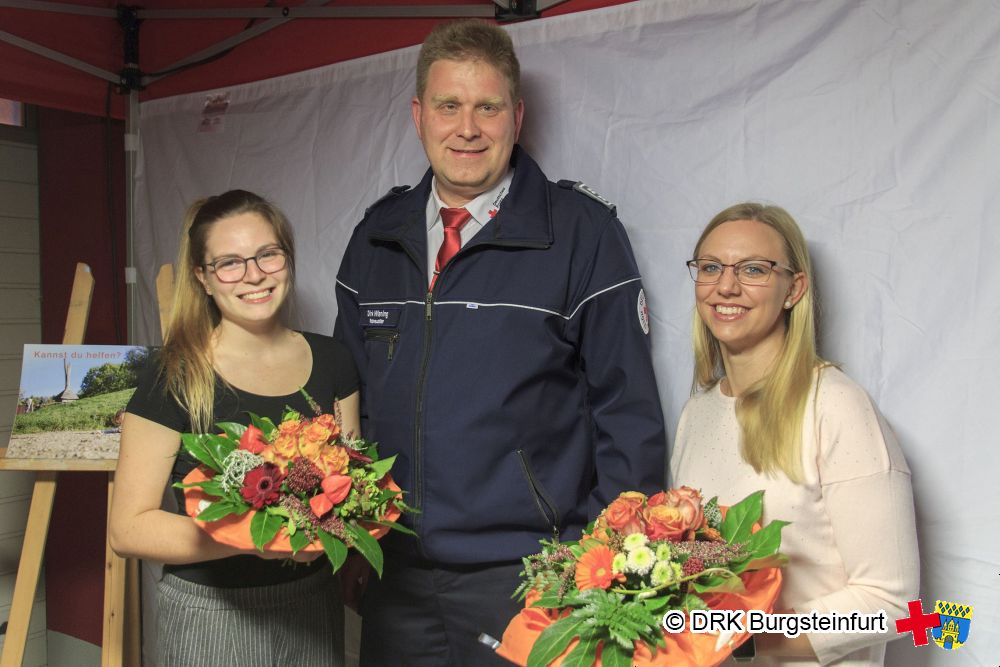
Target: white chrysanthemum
x,y
635,541
641,560
662,573
619,562
663,551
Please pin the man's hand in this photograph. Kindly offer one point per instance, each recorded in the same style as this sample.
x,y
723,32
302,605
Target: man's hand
x,y
354,579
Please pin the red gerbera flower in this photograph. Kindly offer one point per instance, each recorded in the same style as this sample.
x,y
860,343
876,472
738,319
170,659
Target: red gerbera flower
x,y
262,485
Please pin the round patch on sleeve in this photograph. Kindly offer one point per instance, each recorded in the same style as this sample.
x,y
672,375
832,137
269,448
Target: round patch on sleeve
x,y
643,311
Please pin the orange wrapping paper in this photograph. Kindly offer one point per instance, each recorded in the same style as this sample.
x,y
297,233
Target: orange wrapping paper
x,y
234,530
684,649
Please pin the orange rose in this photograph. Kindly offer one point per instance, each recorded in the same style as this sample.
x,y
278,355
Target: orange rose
x,y
312,439
333,460
330,422
624,514
664,523
286,445
657,499
689,502
290,427
271,456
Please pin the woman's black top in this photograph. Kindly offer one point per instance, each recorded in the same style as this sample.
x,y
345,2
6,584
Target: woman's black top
x,y
333,376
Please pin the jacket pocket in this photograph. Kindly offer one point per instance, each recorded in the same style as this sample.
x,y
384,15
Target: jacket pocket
x,y
543,501
388,336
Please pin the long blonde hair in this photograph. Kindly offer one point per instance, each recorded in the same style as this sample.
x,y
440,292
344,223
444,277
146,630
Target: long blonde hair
x,y
186,361
771,411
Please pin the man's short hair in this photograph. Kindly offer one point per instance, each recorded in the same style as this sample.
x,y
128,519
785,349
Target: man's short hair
x,y
470,39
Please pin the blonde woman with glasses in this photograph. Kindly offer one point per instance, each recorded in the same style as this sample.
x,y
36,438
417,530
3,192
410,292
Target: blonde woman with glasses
x,y
228,351
770,414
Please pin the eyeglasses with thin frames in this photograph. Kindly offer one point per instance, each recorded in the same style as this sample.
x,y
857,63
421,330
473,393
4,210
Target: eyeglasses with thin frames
x,y
748,272
234,269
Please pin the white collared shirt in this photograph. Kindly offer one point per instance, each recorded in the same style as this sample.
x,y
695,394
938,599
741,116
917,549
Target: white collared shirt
x,y
482,208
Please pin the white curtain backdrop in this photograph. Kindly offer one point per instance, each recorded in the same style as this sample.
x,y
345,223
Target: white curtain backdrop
x,y
875,123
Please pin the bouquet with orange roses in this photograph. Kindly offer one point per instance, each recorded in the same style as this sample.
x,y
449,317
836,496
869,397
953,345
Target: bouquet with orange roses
x,y
602,599
300,485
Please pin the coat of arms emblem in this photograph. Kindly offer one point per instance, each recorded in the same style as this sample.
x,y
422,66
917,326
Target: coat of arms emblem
x,y
955,621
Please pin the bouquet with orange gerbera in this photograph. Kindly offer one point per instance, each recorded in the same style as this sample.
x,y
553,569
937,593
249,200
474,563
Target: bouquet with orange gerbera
x,y
601,600
300,485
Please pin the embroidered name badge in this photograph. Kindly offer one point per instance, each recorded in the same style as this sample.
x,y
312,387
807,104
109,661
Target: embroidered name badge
x,y
380,316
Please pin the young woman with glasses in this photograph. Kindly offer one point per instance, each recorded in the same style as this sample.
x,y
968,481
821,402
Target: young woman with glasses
x,y
770,414
228,351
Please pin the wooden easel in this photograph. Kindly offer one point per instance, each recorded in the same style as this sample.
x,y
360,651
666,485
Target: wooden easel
x,y
114,652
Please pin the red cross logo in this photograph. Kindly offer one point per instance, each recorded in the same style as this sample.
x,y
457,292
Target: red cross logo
x,y
917,623
493,213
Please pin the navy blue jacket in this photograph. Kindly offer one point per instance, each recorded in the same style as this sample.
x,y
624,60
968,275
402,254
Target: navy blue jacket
x,y
519,395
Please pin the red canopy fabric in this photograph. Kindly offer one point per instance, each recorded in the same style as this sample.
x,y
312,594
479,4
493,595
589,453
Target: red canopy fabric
x,y
297,45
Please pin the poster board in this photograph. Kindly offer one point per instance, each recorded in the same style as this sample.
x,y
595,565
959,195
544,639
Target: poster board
x,y
72,399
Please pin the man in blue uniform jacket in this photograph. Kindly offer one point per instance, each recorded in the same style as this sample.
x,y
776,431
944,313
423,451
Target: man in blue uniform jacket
x,y
504,355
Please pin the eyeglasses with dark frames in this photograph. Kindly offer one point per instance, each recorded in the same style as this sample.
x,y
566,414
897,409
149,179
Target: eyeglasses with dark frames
x,y
233,269
748,272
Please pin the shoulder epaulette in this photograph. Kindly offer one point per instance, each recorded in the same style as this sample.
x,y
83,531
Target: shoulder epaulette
x,y
585,189
393,192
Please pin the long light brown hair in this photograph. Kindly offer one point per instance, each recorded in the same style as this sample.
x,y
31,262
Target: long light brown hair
x,y
771,411
186,360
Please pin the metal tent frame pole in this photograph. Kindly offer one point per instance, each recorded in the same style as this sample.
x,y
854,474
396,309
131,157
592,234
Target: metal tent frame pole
x,y
131,78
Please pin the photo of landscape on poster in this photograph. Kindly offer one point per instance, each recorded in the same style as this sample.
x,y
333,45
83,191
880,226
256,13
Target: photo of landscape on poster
x,y
71,400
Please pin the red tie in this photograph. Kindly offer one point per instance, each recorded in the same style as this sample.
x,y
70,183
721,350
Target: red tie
x,y
454,219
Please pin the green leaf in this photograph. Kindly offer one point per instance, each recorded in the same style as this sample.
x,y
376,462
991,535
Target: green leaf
x,y
381,467
266,426
196,446
583,654
298,539
553,641
335,550
550,599
774,560
767,540
220,509
220,448
232,430
656,604
615,655
367,546
263,528
693,602
741,517
719,584
395,525
211,487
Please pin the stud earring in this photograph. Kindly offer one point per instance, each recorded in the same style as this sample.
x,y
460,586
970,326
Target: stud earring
x,y
788,304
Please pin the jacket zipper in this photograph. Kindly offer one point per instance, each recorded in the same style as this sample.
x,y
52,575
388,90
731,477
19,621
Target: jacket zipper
x,y
418,420
418,472
541,498
388,337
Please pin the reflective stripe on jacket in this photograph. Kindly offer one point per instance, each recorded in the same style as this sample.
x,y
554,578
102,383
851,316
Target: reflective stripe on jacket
x,y
519,395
